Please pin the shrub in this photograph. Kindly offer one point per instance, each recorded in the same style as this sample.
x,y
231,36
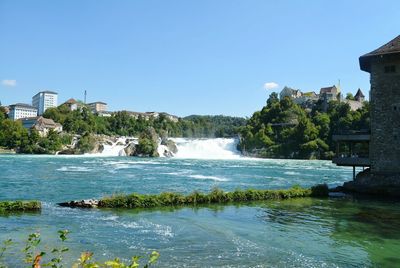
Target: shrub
x,y
35,257
215,196
14,206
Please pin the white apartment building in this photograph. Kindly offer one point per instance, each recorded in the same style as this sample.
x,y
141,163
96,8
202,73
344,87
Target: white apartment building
x,y
44,100
21,110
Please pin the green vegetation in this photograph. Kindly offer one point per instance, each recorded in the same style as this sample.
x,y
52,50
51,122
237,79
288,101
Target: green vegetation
x,y
14,136
122,123
148,143
283,129
216,196
35,255
205,126
15,206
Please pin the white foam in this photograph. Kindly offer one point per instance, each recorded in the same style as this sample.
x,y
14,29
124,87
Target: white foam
x,y
74,169
291,173
220,148
202,177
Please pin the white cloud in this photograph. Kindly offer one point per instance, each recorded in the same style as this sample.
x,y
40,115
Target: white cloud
x,y
270,85
9,82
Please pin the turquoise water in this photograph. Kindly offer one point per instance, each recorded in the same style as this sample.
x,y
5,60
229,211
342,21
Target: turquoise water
x,y
335,232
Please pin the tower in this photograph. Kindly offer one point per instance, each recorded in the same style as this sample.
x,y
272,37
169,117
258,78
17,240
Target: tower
x,y
383,64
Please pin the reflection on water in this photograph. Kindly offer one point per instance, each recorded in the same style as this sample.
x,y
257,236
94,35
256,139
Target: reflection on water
x,y
371,225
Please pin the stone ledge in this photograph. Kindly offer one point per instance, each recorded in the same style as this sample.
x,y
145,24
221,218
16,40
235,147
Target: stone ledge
x,y
374,184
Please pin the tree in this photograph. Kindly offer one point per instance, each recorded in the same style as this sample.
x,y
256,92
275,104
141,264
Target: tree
x,y
349,96
148,143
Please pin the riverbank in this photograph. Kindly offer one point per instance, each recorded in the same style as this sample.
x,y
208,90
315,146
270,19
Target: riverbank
x,y
19,206
6,151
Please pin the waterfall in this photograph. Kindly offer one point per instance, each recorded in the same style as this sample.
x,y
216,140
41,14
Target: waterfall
x,y
114,148
220,148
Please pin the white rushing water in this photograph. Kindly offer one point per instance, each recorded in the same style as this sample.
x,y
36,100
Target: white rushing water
x,y
114,149
220,148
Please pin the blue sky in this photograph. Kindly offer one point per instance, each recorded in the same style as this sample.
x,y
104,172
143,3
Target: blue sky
x,y
187,57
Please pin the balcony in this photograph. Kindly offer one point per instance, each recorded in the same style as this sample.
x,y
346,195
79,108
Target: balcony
x,y
352,150
352,161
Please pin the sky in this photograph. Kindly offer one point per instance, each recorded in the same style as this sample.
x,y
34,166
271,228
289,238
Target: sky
x,y
187,57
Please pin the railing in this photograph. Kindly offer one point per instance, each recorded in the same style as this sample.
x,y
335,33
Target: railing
x,y
353,132
352,161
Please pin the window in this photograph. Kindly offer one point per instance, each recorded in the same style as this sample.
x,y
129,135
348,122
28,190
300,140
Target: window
x,y
390,69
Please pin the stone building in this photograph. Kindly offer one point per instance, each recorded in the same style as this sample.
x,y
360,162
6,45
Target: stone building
x,y
379,148
41,124
330,93
383,64
289,92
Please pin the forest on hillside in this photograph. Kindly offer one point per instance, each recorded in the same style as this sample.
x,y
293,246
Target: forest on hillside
x,y
283,129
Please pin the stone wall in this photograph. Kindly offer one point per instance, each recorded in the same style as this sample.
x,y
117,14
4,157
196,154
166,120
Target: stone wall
x,y
385,116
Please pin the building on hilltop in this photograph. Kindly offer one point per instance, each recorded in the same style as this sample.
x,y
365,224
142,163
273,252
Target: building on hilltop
x,y
72,104
307,99
359,96
358,101
21,110
354,105
97,106
44,100
153,115
329,93
41,124
289,92
105,113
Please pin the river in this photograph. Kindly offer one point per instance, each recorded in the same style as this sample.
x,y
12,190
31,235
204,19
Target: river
x,y
327,232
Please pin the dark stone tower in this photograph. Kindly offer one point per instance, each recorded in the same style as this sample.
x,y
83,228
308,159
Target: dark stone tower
x,y
384,66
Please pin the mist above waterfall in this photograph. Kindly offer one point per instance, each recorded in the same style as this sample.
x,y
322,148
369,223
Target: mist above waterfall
x,y
220,148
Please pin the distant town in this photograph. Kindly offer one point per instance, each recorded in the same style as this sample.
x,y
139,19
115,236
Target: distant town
x,y
31,115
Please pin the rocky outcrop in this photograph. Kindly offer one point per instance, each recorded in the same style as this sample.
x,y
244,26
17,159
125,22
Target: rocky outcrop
x,y
130,150
375,184
69,151
86,203
171,145
98,148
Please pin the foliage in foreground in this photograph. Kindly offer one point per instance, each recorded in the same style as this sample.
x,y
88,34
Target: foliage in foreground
x,y
215,196
34,257
11,206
